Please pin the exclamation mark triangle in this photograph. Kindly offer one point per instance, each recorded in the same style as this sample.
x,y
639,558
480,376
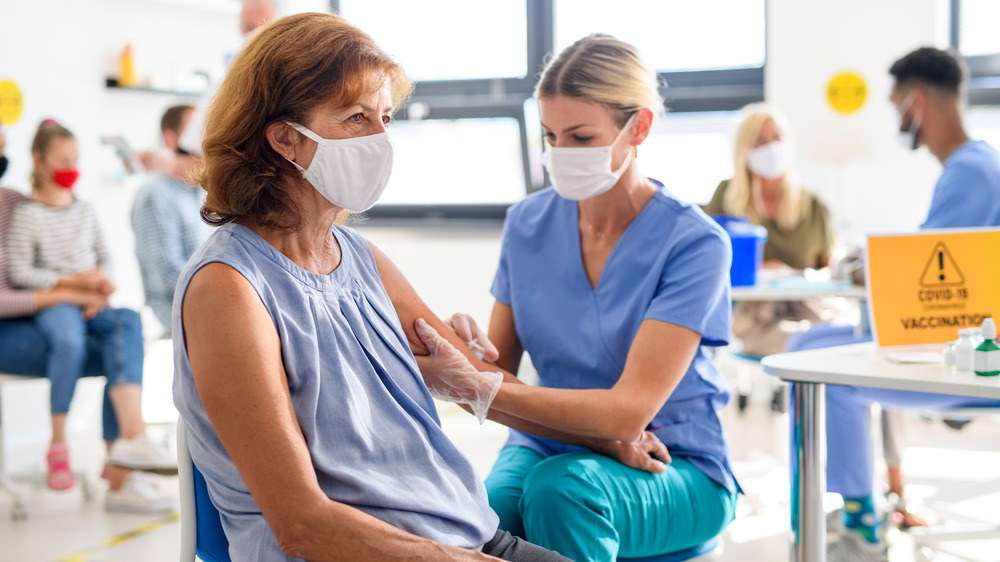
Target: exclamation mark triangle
x,y
941,269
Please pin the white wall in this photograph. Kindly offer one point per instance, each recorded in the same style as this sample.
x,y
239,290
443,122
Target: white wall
x,y
852,161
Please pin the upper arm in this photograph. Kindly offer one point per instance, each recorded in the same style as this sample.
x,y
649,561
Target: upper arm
x,y
826,231
714,206
235,356
657,360
409,306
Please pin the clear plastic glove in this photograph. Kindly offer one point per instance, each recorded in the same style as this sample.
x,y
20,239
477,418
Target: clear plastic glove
x,y
467,329
645,452
450,377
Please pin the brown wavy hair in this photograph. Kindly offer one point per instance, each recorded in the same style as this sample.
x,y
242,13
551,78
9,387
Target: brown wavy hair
x,y
287,69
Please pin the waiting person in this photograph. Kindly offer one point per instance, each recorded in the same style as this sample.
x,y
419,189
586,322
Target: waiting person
x,y
166,219
617,291
113,348
764,188
305,408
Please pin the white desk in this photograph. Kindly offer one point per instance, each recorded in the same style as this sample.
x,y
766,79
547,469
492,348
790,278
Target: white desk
x,y
854,365
796,289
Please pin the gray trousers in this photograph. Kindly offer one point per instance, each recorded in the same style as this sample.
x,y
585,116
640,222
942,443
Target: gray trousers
x,y
508,547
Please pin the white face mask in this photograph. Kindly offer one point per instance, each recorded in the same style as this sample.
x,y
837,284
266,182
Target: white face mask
x,y
579,173
351,173
908,138
770,161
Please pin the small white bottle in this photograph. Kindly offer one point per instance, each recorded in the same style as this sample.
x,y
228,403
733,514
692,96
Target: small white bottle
x,y
965,349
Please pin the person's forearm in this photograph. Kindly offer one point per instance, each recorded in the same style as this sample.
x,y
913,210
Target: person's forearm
x,y
15,303
598,413
538,430
581,423
513,421
338,532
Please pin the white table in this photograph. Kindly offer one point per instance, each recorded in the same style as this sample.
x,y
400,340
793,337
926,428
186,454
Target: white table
x,y
797,290
855,365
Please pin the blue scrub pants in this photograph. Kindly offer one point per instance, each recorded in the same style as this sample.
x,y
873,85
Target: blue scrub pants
x,y
850,468
588,506
108,345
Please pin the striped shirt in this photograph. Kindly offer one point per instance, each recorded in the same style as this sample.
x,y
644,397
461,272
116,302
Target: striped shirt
x,y
166,220
13,302
45,243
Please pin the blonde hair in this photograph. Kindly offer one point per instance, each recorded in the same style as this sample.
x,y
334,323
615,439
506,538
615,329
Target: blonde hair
x,y
602,69
743,196
287,69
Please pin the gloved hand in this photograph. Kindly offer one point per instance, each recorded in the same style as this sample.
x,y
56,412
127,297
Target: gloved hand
x,y
450,377
467,329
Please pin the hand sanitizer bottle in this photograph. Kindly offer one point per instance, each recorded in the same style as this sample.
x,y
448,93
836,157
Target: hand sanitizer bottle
x,y
987,355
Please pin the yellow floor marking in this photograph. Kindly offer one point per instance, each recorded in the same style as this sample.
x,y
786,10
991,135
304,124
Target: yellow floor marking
x,y
116,540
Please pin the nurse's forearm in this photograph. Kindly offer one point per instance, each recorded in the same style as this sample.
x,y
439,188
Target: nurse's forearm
x,y
596,413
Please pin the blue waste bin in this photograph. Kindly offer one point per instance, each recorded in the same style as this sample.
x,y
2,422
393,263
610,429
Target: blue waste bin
x,y
748,248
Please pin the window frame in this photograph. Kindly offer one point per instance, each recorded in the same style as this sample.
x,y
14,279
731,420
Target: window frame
x,y
688,91
984,70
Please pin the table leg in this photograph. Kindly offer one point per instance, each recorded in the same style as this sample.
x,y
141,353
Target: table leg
x,y
809,481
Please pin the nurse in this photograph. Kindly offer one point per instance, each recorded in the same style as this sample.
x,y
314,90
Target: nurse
x,y
617,290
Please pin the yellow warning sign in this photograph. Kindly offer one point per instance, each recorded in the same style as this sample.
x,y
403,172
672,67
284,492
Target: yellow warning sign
x,y
846,92
941,270
924,287
11,102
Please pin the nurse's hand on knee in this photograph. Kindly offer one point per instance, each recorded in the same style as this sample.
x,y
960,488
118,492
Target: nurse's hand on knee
x,y
466,328
645,452
449,376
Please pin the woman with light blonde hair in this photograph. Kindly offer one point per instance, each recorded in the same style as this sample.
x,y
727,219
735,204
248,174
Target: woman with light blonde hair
x,y
617,290
764,189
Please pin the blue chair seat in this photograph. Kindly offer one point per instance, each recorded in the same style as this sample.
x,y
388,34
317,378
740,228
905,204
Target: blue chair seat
x,y
679,556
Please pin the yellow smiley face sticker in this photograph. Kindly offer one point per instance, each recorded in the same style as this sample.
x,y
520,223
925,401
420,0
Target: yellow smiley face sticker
x,y
846,92
11,102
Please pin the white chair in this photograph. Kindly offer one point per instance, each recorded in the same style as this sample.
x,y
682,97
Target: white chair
x,y
12,390
954,526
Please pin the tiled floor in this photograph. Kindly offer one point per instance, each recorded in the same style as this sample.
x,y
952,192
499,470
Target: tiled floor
x,y
942,464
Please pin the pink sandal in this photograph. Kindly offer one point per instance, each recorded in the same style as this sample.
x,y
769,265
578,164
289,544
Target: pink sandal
x,y
60,477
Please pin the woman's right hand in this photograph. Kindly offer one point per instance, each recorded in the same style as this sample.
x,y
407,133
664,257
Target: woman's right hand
x,y
451,377
645,452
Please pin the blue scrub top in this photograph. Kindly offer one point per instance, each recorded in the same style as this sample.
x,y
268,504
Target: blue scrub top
x,y
671,264
968,192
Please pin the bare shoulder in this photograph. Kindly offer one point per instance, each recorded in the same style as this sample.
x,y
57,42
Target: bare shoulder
x,y
220,302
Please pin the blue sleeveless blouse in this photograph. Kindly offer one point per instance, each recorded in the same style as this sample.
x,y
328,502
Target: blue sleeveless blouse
x,y
370,424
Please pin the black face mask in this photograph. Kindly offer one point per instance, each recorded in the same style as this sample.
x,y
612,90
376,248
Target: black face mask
x,y
3,165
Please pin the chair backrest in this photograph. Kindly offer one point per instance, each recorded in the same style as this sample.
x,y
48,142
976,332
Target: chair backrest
x,y
201,524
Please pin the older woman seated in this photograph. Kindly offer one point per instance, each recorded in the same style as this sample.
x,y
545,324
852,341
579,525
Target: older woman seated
x,y
305,408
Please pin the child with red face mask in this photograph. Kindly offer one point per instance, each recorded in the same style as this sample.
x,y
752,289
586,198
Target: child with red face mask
x,y
54,240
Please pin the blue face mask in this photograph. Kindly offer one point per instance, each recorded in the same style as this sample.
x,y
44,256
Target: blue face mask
x,y
3,165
